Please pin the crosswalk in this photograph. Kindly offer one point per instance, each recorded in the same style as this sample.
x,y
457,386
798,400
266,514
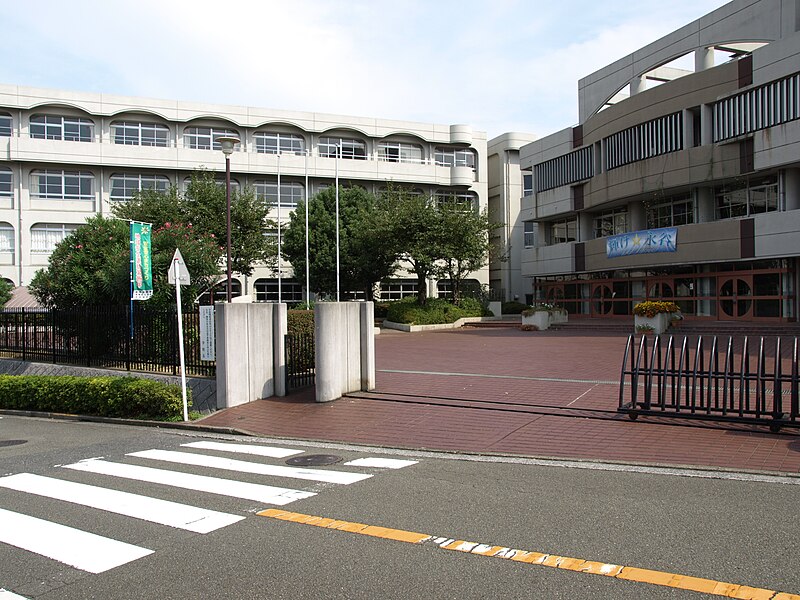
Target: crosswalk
x,y
207,466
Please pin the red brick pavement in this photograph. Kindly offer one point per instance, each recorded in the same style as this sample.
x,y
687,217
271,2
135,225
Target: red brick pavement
x,y
547,394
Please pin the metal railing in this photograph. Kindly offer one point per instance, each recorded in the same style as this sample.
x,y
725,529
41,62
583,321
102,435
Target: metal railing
x,y
738,383
300,361
101,337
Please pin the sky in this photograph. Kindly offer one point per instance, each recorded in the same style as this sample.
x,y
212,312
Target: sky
x,y
498,65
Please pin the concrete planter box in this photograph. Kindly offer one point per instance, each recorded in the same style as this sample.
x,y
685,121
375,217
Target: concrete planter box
x,y
539,319
558,316
659,323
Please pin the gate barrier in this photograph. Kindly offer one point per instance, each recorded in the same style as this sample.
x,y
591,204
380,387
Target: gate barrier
x,y
681,383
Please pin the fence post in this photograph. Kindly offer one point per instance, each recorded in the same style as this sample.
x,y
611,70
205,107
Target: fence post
x,y
24,335
173,329
53,333
128,338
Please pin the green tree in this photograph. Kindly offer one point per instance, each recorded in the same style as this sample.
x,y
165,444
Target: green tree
x,y
5,291
91,266
364,258
204,206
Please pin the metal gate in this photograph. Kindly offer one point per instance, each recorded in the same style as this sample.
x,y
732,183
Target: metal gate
x,y
300,367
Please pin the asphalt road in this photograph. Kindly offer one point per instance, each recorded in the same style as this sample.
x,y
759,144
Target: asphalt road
x,y
730,529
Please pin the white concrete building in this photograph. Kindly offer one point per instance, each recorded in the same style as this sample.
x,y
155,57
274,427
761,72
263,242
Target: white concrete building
x,y
65,156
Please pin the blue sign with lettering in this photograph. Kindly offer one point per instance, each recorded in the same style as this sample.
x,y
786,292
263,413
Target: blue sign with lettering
x,y
643,242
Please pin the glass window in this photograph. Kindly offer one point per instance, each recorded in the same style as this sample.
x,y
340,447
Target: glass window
x,y
611,222
6,183
565,230
62,185
125,185
464,200
46,236
529,234
397,289
671,212
527,184
350,148
291,192
204,138
132,133
399,152
267,290
455,157
6,238
5,125
56,127
273,143
748,198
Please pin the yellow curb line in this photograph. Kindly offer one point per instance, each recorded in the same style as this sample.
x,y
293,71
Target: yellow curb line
x,y
662,578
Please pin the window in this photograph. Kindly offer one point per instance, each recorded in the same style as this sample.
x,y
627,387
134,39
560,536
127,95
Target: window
x,y
749,198
653,138
267,290
46,236
204,138
671,212
132,133
56,127
6,238
273,143
563,170
6,183
219,291
397,289
565,230
5,125
469,288
62,185
529,234
464,200
291,192
527,184
350,148
399,152
611,222
125,185
453,157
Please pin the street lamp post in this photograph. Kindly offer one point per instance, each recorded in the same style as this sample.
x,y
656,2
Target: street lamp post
x,y
226,144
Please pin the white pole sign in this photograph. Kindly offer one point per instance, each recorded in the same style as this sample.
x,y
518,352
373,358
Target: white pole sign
x,y
179,275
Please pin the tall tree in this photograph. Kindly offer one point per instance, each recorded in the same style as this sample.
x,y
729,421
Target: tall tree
x,y
364,258
203,205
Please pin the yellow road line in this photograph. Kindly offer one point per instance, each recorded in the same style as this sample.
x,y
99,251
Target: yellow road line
x,y
662,578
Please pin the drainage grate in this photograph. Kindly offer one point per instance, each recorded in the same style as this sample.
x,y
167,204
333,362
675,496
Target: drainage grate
x,y
314,460
12,442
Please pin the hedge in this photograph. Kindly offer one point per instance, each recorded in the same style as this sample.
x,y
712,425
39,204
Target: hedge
x,y
435,311
300,322
126,397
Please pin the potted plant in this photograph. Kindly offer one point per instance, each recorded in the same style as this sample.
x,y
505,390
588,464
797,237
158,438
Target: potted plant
x,y
538,315
654,314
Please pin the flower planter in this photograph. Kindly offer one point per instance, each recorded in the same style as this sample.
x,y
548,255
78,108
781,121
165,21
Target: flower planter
x,y
658,323
540,319
558,315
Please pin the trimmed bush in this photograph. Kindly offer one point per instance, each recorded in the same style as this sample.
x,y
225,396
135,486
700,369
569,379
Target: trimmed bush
x,y
435,311
513,308
300,322
126,397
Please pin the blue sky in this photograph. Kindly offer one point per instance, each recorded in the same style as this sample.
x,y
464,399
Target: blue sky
x,y
499,65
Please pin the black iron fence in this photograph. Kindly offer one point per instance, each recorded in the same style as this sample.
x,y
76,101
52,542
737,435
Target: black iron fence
x,y
739,382
101,337
300,366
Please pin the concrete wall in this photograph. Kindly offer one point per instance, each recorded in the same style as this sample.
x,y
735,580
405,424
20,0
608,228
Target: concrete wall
x,y
250,352
345,348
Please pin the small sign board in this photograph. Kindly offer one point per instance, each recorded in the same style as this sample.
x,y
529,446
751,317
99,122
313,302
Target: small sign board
x,y
183,272
208,349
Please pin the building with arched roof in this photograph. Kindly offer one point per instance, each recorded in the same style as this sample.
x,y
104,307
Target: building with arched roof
x,y
65,156
682,179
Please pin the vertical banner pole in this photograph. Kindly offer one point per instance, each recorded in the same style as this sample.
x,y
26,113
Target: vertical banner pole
x,y
308,281
180,339
130,229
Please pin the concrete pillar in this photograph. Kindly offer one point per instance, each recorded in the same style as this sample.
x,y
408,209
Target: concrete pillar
x,y
279,331
688,129
638,216
585,227
706,124
599,162
638,84
703,59
367,318
791,189
706,210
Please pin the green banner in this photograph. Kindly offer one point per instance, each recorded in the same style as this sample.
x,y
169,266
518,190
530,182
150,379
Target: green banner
x,y
141,271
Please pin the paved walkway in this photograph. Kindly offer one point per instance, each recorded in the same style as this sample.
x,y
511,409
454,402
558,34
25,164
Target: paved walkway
x,y
543,394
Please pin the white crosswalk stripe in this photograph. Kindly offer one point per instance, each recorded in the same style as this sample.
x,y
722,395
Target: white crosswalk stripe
x,y
163,512
202,460
79,549
269,451
382,463
199,483
6,595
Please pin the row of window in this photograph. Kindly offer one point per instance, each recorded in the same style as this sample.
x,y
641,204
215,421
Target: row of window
x,y
134,133
79,185
393,289
44,237
735,200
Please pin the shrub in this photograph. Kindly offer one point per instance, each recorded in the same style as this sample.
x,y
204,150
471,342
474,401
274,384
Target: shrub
x,y
528,327
513,308
127,397
651,308
435,311
381,309
300,322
